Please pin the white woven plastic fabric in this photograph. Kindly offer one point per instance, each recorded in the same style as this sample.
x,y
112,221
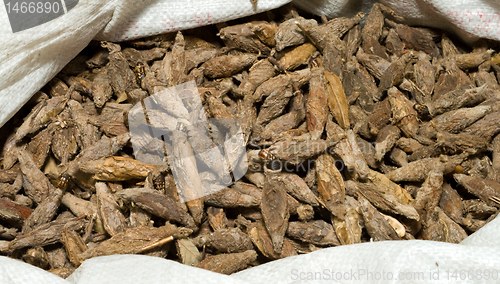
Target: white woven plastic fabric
x,y
30,58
